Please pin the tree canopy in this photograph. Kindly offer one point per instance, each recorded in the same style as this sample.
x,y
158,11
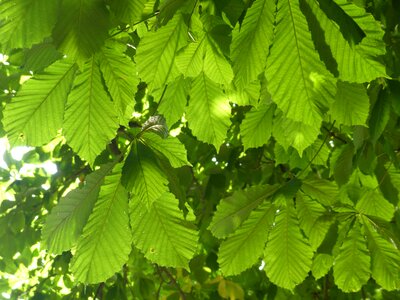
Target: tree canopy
x,y
200,149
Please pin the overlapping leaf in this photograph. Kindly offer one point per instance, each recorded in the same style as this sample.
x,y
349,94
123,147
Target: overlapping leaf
x,y
128,11
242,249
233,210
287,255
36,113
251,41
156,53
161,233
105,243
208,113
90,117
26,22
67,219
297,79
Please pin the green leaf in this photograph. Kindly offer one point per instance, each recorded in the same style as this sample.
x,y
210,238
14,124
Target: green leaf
x,y
65,222
313,219
351,265
36,113
128,11
287,255
105,243
172,105
322,263
242,249
342,163
355,63
90,118
324,191
26,22
156,53
297,79
372,203
119,73
216,67
169,147
256,128
351,106
292,133
208,113
142,176
385,258
161,233
379,117
251,41
82,29
190,60
233,210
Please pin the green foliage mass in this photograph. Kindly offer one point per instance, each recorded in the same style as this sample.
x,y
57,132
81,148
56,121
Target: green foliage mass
x,y
205,149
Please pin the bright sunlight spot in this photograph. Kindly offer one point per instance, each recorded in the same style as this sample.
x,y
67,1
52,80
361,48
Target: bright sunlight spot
x,y
261,267
18,152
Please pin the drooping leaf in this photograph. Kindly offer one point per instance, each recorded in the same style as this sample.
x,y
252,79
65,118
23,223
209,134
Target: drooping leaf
x,y
156,53
351,267
385,258
82,29
66,221
313,219
156,124
169,147
373,203
242,248
216,66
36,113
105,243
355,63
172,105
308,86
128,11
251,41
90,117
287,255
292,133
26,22
119,74
351,106
256,128
190,60
324,191
161,233
322,263
342,163
208,113
233,210
142,176
379,118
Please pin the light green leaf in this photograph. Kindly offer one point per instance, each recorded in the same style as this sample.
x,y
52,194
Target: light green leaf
x,y
36,113
128,11
169,147
233,210
26,22
216,67
322,263
297,79
351,265
65,222
251,41
208,113
161,233
156,53
172,105
142,176
256,128
82,29
90,119
249,95
359,62
351,106
324,191
313,219
385,258
292,133
287,255
242,249
190,59
119,73
373,203
105,243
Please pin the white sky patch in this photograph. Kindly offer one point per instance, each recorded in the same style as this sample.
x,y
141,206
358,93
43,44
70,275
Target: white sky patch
x,y
332,143
3,59
18,152
3,148
262,266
